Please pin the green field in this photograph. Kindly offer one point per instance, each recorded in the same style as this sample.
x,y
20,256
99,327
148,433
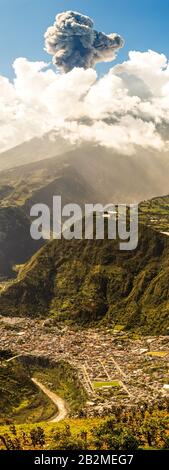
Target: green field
x,y
119,327
157,353
113,383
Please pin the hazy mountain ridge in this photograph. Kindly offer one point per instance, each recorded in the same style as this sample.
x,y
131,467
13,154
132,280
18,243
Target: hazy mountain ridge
x,y
34,150
128,178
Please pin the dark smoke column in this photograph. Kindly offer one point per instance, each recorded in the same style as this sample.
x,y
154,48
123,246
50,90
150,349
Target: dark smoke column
x,y
74,43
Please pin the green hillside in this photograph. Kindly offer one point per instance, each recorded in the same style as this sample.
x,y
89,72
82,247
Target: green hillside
x,y
90,281
155,213
21,401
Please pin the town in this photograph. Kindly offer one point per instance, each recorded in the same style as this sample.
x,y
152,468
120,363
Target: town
x,y
115,367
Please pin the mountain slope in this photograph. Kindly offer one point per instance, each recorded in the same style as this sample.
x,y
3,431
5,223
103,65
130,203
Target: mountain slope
x,y
86,281
31,185
82,175
34,150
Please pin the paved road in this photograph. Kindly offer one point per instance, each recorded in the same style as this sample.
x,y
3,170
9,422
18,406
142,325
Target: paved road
x,y
123,374
118,367
12,358
59,402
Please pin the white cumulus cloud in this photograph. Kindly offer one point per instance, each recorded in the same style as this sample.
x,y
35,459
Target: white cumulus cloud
x,y
126,108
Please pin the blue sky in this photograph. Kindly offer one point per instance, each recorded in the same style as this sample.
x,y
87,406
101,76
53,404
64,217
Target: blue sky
x,y
143,24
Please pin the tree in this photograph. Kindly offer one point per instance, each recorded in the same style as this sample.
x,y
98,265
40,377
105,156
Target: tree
x,y
37,437
129,441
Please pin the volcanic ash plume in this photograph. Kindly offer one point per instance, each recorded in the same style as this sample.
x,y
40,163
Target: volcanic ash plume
x,y
74,43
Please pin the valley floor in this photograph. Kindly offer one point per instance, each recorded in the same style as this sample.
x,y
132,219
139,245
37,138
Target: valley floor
x,y
114,367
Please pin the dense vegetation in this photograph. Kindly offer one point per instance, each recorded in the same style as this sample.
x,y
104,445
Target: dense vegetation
x,y
90,281
125,430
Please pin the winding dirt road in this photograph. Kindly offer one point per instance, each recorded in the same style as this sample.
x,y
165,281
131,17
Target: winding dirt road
x,y
59,402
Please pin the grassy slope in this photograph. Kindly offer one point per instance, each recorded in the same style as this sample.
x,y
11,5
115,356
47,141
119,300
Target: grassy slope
x,y
21,401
